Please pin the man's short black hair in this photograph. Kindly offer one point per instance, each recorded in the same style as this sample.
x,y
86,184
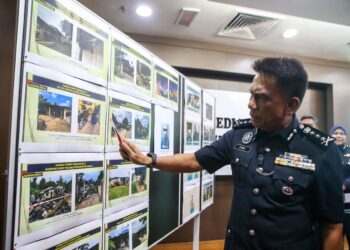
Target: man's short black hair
x,y
290,75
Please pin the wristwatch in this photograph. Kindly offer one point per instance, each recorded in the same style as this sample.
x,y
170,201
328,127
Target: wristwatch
x,y
154,160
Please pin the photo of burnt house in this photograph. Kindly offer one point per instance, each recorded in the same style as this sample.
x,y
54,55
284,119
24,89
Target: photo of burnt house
x,y
119,239
139,232
141,127
143,76
124,66
121,121
88,191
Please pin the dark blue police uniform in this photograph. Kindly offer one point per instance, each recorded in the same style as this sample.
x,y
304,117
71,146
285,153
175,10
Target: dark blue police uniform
x,y
344,151
283,182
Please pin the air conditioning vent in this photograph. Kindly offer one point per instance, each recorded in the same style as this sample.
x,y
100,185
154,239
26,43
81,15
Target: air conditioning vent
x,y
248,26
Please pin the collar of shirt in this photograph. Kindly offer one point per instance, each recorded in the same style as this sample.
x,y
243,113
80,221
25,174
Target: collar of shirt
x,y
283,133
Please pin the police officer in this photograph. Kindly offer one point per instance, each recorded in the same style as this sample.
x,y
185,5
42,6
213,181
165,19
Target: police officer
x,y
339,132
309,120
286,175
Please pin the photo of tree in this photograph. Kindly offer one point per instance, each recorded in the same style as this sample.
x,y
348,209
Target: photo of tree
x,y
88,190
119,239
139,232
122,122
143,76
54,112
124,66
53,31
173,91
49,196
139,182
141,126
119,180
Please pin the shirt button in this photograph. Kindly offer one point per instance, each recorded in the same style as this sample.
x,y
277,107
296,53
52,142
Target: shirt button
x,y
290,178
237,160
260,169
253,212
256,191
251,232
267,149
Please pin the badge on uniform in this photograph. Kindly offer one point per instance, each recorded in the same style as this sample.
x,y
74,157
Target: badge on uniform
x,y
295,161
287,190
247,137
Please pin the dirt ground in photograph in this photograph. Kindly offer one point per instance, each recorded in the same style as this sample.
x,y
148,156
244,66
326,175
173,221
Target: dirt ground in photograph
x,y
55,124
90,201
89,128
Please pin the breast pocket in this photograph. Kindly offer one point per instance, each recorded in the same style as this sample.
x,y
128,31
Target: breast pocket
x,y
290,185
240,165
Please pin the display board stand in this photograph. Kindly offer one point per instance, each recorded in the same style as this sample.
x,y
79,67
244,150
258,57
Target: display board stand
x,y
196,231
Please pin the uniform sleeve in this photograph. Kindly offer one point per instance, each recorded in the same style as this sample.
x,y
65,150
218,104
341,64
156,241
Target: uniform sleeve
x,y
216,155
329,193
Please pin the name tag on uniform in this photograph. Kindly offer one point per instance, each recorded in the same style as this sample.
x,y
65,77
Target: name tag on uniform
x,y
242,148
295,161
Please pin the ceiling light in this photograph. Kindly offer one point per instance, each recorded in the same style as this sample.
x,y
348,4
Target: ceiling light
x,y
144,11
290,33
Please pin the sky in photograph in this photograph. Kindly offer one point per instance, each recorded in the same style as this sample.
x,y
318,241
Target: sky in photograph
x,y
53,98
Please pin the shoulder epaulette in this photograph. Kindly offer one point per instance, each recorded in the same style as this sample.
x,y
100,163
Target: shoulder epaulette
x,y
243,123
316,136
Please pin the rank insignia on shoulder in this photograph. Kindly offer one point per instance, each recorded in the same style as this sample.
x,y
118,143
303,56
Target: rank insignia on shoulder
x,y
243,123
316,136
295,161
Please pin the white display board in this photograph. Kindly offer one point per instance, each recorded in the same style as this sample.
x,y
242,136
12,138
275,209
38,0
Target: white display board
x,y
87,236
127,184
191,196
131,69
61,113
127,229
229,105
57,193
166,85
66,36
131,117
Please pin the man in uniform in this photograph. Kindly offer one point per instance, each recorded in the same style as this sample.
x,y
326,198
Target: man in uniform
x,y
339,132
309,120
286,175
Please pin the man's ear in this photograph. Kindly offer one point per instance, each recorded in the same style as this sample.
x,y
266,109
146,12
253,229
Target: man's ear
x,y
293,105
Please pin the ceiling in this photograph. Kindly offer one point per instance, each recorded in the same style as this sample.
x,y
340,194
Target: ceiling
x,y
324,27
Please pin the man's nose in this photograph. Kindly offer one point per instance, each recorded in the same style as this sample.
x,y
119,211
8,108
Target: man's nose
x,y
252,103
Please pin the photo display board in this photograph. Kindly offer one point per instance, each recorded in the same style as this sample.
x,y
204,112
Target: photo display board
x,y
131,67
166,85
127,184
57,193
66,36
88,236
61,113
131,117
163,131
207,190
192,142
127,229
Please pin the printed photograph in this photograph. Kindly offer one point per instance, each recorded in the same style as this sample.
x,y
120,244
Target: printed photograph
x,y
190,202
195,134
124,66
88,117
208,112
189,133
90,49
139,232
53,31
143,76
119,239
206,133
207,191
88,191
122,122
164,144
193,100
49,196
139,183
173,91
54,112
91,245
188,176
141,127
162,85
119,180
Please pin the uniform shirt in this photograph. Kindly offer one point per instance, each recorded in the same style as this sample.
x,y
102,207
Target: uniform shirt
x,y
274,205
344,151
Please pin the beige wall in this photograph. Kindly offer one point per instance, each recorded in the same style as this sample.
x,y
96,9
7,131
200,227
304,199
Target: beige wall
x,y
224,58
